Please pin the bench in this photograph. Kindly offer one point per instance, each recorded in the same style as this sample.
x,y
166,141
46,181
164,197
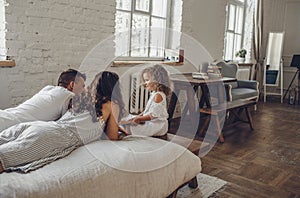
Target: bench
x,y
191,144
235,108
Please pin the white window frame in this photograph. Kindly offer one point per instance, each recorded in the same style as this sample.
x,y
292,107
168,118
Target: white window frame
x,y
239,4
149,13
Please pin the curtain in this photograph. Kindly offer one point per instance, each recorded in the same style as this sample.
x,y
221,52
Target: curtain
x,y
257,38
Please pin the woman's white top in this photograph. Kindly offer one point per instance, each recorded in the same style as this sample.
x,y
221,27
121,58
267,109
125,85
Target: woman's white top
x,y
83,125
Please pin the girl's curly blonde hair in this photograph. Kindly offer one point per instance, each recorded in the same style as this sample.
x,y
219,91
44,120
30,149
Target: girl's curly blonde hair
x,y
160,76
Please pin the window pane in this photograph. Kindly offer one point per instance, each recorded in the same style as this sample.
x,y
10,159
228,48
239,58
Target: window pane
x,y
159,8
124,4
142,5
157,43
239,20
122,33
229,46
237,43
231,19
140,35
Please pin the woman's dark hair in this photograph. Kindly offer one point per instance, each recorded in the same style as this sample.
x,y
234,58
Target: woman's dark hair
x,y
105,87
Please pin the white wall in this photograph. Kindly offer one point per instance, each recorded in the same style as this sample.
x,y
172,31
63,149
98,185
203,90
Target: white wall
x,y
205,21
47,37
283,15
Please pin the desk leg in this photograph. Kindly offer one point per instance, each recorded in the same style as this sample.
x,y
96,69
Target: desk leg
x,y
298,86
249,116
191,101
219,129
222,93
173,102
204,96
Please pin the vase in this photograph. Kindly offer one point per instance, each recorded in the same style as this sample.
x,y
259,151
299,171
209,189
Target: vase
x,y
241,60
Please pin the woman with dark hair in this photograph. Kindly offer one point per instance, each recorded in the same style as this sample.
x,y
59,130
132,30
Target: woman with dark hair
x,y
28,146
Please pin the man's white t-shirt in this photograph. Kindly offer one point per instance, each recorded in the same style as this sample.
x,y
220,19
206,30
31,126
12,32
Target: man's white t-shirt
x,y
47,105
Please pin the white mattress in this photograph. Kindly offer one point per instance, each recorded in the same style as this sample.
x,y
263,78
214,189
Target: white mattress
x,y
134,167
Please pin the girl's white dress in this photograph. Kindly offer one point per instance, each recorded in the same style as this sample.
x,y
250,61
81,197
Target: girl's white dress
x,y
159,124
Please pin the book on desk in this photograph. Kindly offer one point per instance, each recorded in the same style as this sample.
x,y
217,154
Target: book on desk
x,y
200,75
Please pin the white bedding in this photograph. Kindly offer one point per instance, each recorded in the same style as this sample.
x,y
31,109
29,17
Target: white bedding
x,y
134,167
49,104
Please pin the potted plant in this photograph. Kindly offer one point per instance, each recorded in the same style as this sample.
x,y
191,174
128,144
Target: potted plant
x,y
241,54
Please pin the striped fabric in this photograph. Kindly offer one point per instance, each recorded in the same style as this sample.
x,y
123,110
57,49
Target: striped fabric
x,y
28,146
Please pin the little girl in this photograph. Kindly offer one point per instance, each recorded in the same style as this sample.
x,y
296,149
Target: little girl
x,y
154,120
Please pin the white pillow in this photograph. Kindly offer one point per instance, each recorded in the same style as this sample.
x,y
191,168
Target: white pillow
x,y
47,105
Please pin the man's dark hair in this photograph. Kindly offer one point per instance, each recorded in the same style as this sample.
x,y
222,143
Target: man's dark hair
x,y
68,76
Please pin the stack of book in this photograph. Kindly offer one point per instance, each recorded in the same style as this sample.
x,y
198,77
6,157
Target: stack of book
x,y
200,75
213,71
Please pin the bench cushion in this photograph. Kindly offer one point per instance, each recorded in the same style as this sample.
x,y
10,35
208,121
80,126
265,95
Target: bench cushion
x,y
242,93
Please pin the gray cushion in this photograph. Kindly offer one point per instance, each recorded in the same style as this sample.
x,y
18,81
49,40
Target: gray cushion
x,y
252,84
243,93
228,69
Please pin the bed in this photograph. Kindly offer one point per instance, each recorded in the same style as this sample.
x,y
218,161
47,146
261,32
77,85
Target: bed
x,y
134,167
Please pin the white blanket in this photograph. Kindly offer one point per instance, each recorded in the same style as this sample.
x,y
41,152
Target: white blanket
x,y
134,167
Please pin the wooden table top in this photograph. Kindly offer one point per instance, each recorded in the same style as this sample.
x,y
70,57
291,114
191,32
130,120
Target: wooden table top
x,y
187,78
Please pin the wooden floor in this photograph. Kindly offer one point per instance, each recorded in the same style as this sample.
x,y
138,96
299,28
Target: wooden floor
x,y
264,162
260,163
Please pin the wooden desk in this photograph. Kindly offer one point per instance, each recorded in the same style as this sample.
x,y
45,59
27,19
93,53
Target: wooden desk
x,y
190,85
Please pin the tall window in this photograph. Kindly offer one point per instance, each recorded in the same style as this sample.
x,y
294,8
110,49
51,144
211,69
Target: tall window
x,y
141,28
234,33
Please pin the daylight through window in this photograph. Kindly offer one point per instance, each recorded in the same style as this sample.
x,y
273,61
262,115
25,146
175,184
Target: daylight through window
x,y
141,28
234,33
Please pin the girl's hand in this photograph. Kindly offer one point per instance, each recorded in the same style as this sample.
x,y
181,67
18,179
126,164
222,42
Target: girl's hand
x,y
136,120
123,131
140,120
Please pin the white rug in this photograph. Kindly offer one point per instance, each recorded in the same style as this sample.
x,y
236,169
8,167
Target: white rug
x,y
207,185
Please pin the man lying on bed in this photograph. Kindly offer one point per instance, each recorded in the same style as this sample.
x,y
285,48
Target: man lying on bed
x,y
28,146
49,104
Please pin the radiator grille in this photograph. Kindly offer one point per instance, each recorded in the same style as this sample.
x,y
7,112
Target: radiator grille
x,y
139,95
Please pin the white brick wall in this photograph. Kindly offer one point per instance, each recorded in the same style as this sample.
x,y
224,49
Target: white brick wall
x,y
2,31
46,37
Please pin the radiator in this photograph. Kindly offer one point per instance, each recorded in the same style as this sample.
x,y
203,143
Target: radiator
x,y
139,95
